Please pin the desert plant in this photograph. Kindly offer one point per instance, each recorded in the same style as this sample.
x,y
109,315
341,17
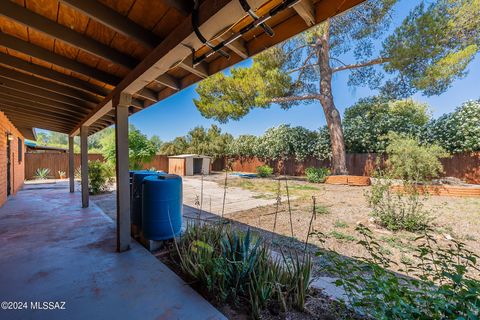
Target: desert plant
x,y
99,175
397,210
42,174
438,282
264,171
78,173
316,175
62,174
238,267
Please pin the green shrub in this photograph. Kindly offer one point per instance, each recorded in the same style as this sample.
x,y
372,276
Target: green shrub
x,y
409,160
316,175
42,174
237,267
99,175
438,282
398,211
264,171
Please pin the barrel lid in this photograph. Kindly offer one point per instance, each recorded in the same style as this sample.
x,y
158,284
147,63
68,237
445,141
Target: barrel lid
x,y
164,176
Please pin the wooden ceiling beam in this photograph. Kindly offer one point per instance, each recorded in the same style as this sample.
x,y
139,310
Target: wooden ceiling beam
x,y
44,93
29,49
59,77
36,122
36,106
35,113
168,81
23,96
306,10
47,85
200,70
148,94
114,20
55,30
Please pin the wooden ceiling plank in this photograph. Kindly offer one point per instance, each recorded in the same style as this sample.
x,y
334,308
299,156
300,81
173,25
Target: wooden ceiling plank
x,y
306,10
43,72
47,85
44,93
59,60
114,20
55,30
168,81
185,7
19,95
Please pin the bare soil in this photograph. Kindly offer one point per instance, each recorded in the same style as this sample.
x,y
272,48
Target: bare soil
x,y
339,209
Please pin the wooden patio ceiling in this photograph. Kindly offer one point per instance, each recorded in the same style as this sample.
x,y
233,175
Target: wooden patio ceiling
x,y
62,61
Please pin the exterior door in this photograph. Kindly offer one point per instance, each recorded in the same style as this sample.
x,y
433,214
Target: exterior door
x,y
9,167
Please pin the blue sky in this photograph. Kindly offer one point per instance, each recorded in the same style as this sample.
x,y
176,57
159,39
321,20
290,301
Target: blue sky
x,y
176,115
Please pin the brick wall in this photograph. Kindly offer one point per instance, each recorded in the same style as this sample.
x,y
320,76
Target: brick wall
x,y
17,168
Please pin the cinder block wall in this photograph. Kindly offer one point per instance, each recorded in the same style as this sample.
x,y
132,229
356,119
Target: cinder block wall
x,y
17,169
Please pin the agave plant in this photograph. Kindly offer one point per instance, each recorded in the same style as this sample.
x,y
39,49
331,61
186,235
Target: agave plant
x,y
42,174
62,174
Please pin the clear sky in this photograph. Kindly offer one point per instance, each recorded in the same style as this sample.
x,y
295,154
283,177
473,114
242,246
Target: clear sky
x,y
176,115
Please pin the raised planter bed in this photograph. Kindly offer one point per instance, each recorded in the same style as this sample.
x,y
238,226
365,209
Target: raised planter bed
x,y
348,180
444,190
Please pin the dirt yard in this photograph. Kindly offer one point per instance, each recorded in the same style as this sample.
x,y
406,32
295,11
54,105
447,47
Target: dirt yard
x,y
339,209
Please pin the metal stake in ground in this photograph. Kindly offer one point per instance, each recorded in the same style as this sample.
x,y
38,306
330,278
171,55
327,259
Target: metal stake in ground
x,y
288,196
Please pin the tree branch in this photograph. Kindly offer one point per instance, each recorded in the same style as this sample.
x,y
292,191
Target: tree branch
x,y
361,64
295,98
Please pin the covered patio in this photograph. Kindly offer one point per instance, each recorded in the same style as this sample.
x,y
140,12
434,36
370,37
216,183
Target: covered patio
x,y
77,67
55,251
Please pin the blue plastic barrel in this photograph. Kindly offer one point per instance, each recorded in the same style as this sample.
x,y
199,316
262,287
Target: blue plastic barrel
x,y
136,203
162,207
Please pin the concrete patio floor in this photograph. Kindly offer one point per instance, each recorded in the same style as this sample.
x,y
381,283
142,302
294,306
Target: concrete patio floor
x,y
51,250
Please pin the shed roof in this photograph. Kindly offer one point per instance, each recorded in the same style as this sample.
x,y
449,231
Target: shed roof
x,y
63,61
190,156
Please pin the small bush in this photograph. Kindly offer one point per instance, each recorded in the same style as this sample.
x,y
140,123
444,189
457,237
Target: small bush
x,y
316,175
438,285
99,175
409,160
237,268
264,171
42,174
398,211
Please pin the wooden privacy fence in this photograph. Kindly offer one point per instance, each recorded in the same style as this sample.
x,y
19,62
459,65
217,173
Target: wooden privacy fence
x,y
465,166
59,162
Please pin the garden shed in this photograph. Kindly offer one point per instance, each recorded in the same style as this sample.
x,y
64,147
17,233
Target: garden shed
x,y
189,164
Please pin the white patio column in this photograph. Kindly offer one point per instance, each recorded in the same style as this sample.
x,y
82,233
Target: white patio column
x,y
71,164
84,164
121,104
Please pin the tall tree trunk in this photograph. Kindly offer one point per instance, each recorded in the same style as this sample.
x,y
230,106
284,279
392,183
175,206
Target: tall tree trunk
x,y
332,116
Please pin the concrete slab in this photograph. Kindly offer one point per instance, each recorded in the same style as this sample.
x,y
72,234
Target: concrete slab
x,y
52,250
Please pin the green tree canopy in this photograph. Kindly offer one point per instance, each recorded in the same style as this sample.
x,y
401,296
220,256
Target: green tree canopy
x,y
430,49
367,123
140,148
458,131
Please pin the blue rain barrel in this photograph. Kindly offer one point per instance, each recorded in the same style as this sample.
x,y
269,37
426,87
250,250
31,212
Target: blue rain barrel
x,y
162,206
136,203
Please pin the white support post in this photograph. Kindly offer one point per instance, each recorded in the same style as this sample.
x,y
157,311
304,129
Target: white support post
x,y
121,104
84,164
71,164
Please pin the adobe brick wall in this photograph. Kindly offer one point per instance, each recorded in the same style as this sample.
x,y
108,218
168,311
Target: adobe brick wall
x,y
17,167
